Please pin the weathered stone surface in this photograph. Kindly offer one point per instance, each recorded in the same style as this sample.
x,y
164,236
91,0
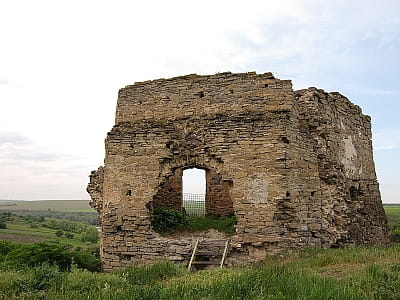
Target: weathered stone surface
x,y
295,167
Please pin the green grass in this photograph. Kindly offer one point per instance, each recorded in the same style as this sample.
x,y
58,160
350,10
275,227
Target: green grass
x,y
55,205
352,273
393,216
309,274
171,221
23,229
223,224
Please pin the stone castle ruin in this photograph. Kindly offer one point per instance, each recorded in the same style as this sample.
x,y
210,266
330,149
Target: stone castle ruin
x,y
294,167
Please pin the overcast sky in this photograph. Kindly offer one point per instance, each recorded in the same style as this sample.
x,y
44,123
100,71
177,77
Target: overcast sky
x,y
62,63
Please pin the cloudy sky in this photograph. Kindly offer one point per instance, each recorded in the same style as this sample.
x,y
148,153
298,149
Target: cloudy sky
x,y
62,63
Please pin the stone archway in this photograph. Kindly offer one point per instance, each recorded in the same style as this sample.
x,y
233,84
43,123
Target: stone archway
x,y
218,200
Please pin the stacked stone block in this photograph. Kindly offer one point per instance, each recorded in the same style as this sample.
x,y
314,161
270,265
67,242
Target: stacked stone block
x,y
295,167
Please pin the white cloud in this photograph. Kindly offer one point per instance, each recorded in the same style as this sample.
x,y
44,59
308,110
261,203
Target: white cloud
x,y
26,166
62,63
3,81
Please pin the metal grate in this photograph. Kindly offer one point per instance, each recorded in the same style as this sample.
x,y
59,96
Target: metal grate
x,y
194,204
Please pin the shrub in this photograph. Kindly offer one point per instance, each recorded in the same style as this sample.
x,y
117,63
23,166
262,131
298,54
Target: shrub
x,y
37,254
86,260
59,233
168,220
68,235
3,224
33,219
5,247
3,218
6,216
19,256
396,235
42,278
90,235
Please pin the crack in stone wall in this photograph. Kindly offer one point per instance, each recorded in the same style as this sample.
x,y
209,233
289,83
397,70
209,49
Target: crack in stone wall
x,y
295,167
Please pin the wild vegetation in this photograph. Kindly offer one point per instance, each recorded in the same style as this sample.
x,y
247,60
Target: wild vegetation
x,y
356,273
34,228
393,215
72,210
89,217
54,271
63,256
171,221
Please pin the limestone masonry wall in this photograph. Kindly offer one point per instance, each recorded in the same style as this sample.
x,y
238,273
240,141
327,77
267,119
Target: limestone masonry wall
x,y
295,167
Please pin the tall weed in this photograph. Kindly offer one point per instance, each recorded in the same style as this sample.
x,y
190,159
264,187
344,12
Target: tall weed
x,y
141,275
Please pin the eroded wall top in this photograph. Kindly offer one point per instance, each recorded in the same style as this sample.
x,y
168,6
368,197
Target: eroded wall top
x,y
195,95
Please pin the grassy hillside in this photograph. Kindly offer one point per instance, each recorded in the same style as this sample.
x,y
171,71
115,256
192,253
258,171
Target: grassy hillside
x,y
29,229
24,233
55,205
341,274
352,273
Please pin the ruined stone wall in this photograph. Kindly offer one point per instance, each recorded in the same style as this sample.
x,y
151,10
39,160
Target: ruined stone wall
x,y
218,195
342,142
296,168
169,194
95,189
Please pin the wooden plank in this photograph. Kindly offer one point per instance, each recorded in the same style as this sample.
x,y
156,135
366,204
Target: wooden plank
x,y
224,255
193,255
205,263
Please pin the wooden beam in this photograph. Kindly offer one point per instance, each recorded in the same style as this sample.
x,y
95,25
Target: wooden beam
x,y
193,255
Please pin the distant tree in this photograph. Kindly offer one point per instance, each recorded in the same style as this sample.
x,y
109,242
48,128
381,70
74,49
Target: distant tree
x,y
59,233
90,235
68,235
3,224
37,254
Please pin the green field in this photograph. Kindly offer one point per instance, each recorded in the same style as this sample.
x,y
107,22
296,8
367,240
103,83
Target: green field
x,y
34,228
55,205
351,273
393,214
23,233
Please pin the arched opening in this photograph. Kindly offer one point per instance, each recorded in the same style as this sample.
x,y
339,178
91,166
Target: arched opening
x,y
193,199
194,192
